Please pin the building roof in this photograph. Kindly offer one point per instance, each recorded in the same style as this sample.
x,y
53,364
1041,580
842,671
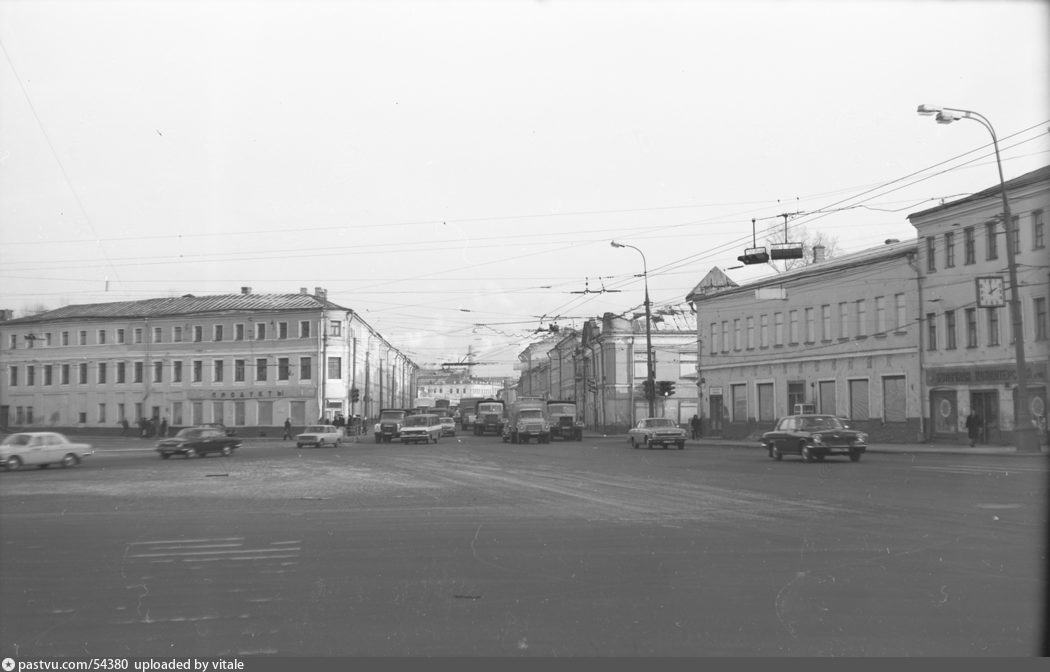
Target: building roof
x,y
182,305
889,250
1038,175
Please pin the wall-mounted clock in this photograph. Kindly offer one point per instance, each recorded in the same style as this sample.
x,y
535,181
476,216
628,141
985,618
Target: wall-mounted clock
x,y
990,292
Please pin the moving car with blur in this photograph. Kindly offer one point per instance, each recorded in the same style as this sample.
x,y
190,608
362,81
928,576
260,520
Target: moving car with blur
x,y
652,432
319,436
198,442
41,449
389,426
814,437
421,428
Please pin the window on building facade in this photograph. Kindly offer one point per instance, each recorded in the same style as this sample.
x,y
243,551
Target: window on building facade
x,y
12,378
64,375
260,369
176,371
238,332
120,336
335,328
901,311
335,368
101,412
282,330
158,372
778,329
283,370
991,241
217,332
949,250
738,397
157,335
931,331
793,326
176,334
47,339
993,326
138,335
306,368
137,375
1039,311
843,319
304,329
197,371
825,322
260,331
239,366
30,375
101,336
969,246
13,341
811,325
736,334
713,346
82,374
1015,233
65,338
218,370
949,330
971,327
122,372
725,335
880,314
763,331
931,259
82,337
1038,230
198,334
862,317
48,373
750,332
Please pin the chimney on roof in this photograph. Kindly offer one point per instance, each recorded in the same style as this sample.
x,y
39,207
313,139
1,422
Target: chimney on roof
x,y
6,314
246,290
320,293
818,254
304,290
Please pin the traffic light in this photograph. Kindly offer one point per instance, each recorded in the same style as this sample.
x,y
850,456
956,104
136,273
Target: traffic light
x,y
647,387
665,388
754,255
354,394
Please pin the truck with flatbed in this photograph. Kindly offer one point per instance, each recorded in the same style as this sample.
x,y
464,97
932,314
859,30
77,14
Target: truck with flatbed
x,y
527,420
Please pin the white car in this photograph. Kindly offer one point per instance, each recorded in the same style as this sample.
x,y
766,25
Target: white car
x,y
448,426
421,428
319,436
41,449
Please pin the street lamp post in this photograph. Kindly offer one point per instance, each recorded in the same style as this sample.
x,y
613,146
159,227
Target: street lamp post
x,y
1025,436
651,392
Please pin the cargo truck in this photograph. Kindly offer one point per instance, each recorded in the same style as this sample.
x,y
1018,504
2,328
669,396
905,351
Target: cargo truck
x,y
527,420
564,421
491,417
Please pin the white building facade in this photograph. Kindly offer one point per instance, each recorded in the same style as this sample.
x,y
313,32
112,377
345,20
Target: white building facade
x,y
246,360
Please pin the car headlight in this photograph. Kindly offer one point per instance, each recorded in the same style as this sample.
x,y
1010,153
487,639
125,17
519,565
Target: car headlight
x,y
378,428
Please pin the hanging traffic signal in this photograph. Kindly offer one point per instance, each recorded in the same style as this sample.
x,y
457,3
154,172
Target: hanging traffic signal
x,y
754,255
354,394
665,388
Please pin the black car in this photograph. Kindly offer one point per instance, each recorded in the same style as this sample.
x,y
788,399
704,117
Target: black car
x,y
198,442
814,437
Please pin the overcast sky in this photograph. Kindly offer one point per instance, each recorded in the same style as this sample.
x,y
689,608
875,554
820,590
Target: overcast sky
x,y
454,171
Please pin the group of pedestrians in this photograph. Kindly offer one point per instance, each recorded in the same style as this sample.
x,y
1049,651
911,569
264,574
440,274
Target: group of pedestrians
x,y
148,427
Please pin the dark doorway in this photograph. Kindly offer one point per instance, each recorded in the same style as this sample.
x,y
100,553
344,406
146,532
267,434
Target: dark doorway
x,y
986,403
715,428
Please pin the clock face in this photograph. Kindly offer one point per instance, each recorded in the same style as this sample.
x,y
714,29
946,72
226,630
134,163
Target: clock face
x,y
990,292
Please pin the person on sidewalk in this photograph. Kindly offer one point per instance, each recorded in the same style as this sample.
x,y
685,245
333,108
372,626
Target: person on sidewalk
x,y
973,427
287,428
695,424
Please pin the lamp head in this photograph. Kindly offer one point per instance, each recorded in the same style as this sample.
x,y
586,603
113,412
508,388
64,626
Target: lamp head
x,y
615,244
928,110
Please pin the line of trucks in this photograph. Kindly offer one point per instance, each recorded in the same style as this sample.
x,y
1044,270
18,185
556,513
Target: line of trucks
x,y
519,422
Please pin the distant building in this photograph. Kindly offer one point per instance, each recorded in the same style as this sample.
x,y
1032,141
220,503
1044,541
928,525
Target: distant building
x,y
247,360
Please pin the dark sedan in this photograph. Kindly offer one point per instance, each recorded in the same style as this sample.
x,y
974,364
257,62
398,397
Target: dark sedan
x,y
814,437
198,442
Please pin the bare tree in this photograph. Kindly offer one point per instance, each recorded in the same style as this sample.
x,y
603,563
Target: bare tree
x,y
34,309
799,234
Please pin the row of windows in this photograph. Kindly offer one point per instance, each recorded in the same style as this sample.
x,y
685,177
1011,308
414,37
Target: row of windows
x,y
848,319
852,400
175,371
263,413
176,334
991,242
946,326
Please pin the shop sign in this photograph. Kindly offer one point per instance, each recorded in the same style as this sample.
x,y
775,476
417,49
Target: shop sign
x,y
980,375
265,393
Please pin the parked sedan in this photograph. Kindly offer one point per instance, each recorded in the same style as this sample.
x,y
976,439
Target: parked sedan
x,y
319,436
41,449
651,432
198,442
814,437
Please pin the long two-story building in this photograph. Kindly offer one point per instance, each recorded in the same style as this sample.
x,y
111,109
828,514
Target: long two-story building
x,y
249,361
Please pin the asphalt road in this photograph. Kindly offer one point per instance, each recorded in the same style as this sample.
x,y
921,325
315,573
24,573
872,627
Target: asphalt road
x,y
472,547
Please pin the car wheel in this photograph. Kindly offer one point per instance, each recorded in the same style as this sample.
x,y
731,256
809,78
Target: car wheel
x,y
648,444
69,460
681,445
854,456
201,452
43,466
807,453
14,463
165,456
775,453
226,451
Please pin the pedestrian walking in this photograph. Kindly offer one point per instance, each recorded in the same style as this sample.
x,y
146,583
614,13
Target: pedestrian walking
x,y
163,428
695,424
124,426
973,426
287,428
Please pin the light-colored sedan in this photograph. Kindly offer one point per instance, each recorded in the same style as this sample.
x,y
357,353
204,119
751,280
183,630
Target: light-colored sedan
x,y
319,436
41,449
652,432
448,426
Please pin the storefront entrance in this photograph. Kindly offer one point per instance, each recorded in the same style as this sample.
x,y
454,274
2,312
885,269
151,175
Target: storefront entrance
x,y
714,427
986,404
